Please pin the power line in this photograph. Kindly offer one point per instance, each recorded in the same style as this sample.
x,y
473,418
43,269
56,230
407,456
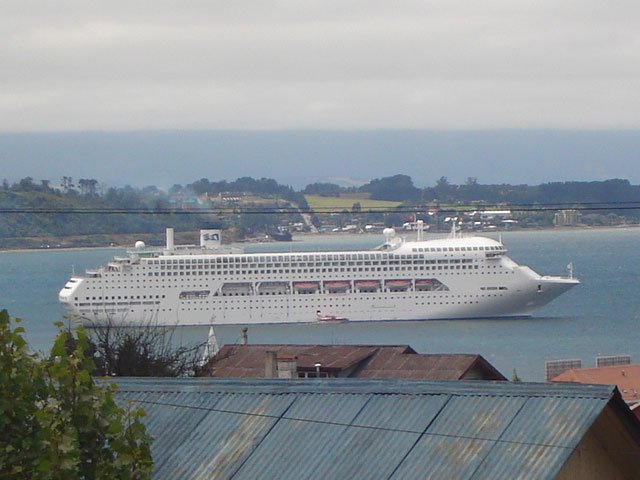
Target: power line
x,y
368,427
408,209
342,424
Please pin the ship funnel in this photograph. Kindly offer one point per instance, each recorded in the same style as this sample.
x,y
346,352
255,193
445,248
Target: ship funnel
x,y
210,238
170,244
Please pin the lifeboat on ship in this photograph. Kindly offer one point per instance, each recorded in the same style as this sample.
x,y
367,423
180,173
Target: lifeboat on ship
x,y
367,285
337,286
239,288
400,285
306,287
425,284
273,288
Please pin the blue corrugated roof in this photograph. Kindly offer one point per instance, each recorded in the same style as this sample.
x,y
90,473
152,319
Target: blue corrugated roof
x,y
249,429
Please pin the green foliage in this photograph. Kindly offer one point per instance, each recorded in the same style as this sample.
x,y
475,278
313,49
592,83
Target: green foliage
x,y
323,189
21,384
143,351
26,196
57,422
161,210
398,188
263,186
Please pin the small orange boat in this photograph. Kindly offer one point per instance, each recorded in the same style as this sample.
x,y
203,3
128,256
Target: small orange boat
x,y
330,318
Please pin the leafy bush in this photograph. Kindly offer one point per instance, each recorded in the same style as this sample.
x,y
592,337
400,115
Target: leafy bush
x,y
56,421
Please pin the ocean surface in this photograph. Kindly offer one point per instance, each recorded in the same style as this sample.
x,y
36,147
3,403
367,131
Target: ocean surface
x,y
599,317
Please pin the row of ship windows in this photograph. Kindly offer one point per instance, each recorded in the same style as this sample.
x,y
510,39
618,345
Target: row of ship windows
x,y
312,270
417,261
295,306
120,297
313,300
206,285
342,257
93,299
231,271
246,272
348,305
96,304
308,264
459,302
452,302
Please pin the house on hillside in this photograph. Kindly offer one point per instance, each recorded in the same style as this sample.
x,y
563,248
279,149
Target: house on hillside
x,y
350,361
384,429
626,377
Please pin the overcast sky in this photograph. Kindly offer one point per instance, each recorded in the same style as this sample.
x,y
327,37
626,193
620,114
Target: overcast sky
x,y
469,64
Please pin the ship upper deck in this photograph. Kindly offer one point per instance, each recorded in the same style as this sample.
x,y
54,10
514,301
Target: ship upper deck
x,y
448,244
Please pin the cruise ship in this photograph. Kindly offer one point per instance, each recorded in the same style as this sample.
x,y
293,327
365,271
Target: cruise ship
x,y
211,284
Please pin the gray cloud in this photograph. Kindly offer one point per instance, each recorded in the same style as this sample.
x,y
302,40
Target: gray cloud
x,y
76,65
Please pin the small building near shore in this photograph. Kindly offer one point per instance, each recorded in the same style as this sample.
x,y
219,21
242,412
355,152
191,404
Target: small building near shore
x,y
384,429
566,218
625,377
346,361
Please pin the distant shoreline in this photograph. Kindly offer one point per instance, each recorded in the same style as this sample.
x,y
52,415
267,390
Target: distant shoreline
x,y
121,246
58,249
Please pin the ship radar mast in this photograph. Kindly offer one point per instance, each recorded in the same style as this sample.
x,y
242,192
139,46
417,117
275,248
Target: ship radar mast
x,y
454,228
420,228
570,269
170,244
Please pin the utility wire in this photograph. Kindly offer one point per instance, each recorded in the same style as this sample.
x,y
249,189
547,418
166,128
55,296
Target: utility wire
x,y
409,209
365,427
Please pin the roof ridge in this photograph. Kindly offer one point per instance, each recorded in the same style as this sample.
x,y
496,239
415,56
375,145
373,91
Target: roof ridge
x,y
361,386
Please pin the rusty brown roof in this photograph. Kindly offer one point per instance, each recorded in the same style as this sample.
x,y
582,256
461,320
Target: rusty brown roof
x,y
361,361
247,361
394,363
626,377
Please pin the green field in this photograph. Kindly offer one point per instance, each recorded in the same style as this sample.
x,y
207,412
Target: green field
x,y
346,201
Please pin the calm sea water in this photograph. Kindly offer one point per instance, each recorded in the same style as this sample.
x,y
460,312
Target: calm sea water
x,y
598,317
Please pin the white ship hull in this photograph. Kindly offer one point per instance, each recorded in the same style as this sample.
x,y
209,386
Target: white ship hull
x,y
437,279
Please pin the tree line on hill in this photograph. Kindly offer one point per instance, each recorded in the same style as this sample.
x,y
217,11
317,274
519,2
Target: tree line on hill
x,y
64,204
179,206
401,188
262,186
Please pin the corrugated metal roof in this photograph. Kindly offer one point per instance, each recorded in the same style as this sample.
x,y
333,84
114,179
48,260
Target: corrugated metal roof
x,y
212,428
208,432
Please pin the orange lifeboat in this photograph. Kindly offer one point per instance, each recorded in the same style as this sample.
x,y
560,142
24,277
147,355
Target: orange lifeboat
x,y
306,287
337,286
397,285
